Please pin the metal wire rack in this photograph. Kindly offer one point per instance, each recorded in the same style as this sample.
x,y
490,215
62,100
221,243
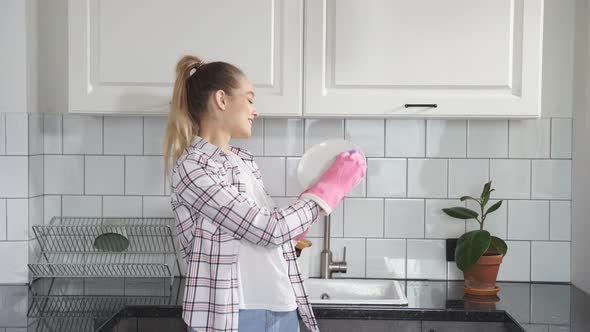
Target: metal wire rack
x,y
140,248
97,306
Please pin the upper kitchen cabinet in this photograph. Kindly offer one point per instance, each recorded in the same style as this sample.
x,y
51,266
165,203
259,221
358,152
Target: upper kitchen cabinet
x,y
122,54
470,58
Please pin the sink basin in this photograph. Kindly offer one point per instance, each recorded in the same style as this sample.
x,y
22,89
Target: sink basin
x,y
355,291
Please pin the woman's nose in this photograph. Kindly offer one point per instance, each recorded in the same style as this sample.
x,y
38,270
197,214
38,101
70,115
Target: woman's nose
x,y
255,113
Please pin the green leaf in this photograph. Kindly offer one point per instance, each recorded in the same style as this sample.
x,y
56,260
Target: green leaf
x,y
470,247
494,207
498,245
461,213
464,198
486,188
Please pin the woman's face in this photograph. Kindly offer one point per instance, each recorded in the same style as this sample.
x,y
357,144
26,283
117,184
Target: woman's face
x,y
240,110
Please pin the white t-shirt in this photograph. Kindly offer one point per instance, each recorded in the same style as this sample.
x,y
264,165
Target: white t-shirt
x,y
263,279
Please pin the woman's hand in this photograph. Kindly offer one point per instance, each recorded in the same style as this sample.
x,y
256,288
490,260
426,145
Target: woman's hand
x,y
345,173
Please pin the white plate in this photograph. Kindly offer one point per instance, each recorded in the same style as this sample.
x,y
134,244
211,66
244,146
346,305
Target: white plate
x,y
319,158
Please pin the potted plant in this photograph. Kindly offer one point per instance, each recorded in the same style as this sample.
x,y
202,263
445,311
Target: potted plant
x,y
479,254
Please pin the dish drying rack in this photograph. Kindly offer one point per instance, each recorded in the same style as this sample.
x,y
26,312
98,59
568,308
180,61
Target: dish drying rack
x,y
135,247
83,313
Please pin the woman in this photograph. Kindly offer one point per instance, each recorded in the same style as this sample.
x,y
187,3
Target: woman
x,y
242,273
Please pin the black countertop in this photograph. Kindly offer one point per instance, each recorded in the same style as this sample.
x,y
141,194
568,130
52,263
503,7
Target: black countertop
x,y
87,304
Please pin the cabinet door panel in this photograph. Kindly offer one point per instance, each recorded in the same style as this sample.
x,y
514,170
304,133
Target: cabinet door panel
x,y
475,58
123,53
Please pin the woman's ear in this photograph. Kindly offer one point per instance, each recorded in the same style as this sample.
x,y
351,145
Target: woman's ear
x,y
220,99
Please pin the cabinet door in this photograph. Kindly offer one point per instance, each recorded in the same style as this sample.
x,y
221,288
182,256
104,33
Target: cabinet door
x,y
470,58
122,54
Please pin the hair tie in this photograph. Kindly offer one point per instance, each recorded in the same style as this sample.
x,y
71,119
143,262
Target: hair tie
x,y
196,67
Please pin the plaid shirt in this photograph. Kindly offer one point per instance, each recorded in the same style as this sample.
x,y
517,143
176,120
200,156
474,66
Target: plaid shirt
x,y
212,214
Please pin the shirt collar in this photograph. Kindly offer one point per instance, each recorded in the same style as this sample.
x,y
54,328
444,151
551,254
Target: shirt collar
x,y
213,151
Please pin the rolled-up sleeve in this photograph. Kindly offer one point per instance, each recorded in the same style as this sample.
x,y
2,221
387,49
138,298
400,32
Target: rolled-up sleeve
x,y
207,192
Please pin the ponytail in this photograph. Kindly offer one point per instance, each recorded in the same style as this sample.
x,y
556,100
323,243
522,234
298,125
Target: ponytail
x,y
181,127
189,100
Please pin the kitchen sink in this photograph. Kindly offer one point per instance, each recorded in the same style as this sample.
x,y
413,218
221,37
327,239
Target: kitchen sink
x,y
355,291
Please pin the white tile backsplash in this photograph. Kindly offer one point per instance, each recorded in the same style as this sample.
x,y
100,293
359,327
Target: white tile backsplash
x,y
51,208
396,207
363,217
273,174
144,175
446,138
283,137
405,138
104,175
404,218
2,219
154,128
155,206
496,222
14,181
528,220
35,175
17,134
438,225
550,261
453,272
511,178
560,220
321,130
293,187
427,178
64,174
368,135
355,256
529,138
2,133
386,258
561,138
82,134
487,139
254,144
122,206
123,135
467,177
426,259
35,134
81,206
14,266
17,219
516,265
386,177
52,134
552,179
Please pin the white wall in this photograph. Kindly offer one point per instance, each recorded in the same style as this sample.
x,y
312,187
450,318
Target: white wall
x,y
53,59
581,151
558,49
13,43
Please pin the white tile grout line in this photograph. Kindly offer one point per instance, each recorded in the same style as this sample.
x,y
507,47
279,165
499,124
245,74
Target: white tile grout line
x,y
102,118
5,135
466,138
508,140
550,138
143,135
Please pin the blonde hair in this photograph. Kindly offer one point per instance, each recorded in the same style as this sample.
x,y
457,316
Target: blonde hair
x,y
195,82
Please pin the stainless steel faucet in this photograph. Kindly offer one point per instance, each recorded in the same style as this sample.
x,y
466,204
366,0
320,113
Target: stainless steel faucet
x,y
327,265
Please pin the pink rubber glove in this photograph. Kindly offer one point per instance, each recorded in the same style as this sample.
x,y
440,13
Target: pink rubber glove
x,y
302,236
345,173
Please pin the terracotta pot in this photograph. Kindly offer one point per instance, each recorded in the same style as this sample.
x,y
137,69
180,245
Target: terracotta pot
x,y
481,279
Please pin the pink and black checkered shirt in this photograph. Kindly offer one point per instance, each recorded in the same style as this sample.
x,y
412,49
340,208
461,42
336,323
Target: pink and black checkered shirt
x,y
212,214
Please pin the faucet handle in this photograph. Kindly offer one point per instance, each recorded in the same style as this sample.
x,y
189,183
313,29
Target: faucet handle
x,y
344,255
